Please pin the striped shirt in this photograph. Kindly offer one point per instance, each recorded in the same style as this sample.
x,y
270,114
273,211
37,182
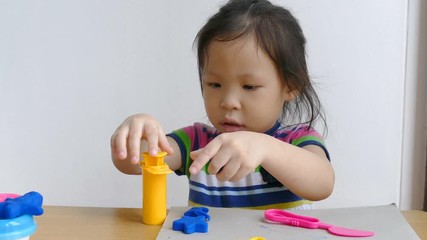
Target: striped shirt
x,y
254,191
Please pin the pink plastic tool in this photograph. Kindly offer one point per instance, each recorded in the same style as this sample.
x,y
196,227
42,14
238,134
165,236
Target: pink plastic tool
x,y
288,218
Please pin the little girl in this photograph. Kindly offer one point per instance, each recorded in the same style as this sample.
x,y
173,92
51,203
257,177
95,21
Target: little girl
x,y
255,86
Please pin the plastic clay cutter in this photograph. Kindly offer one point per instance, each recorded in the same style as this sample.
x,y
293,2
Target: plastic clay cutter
x,y
284,217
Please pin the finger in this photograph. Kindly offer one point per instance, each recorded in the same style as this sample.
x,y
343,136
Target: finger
x,y
134,141
151,133
241,173
118,143
164,143
229,171
195,154
204,155
219,161
246,166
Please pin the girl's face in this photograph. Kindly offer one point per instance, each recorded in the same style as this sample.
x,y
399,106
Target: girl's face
x,y
242,89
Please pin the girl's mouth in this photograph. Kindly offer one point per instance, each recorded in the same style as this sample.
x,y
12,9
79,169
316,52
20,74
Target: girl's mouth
x,y
231,126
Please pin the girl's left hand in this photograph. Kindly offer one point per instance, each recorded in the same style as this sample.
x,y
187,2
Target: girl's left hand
x,y
232,155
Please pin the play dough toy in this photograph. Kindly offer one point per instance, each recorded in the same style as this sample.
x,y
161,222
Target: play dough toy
x,y
154,171
16,215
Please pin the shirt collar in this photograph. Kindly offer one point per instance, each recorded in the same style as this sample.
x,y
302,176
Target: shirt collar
x,y
273,129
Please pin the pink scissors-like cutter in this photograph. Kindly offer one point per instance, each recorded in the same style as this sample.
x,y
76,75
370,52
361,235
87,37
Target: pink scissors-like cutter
x,y
288,218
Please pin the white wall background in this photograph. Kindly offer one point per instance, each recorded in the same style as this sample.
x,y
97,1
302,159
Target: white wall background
x,y
71,71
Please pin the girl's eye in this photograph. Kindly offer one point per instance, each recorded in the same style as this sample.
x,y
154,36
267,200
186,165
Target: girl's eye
x,y
250,87
214,85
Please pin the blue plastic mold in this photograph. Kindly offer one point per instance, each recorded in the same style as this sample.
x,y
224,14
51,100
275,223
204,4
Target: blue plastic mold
x,y
16,228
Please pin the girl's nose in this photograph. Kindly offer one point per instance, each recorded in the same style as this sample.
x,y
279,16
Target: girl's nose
x,y
230,101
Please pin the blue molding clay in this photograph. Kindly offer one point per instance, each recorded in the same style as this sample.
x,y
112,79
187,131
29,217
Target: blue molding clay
x,y
198,211
189,225
194,220
27,204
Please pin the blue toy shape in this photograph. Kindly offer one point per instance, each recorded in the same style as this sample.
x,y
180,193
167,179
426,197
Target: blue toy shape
x,y
27,204
194,220
198,211
189,225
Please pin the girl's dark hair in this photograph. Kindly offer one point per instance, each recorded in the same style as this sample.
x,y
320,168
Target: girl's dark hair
x,y
278,33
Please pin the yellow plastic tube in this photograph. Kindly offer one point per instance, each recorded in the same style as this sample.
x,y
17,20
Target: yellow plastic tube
x,y
154,171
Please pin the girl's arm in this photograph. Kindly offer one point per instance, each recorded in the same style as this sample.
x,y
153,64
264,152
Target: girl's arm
x,y
304,171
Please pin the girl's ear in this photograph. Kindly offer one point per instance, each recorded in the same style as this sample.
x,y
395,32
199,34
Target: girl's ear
x,y
289,94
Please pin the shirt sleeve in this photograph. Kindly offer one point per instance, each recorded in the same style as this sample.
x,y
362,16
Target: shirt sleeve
x,y
299,136
182,138
189,139
304,136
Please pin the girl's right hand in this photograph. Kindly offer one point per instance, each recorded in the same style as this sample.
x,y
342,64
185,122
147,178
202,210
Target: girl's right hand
x,y
126,140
